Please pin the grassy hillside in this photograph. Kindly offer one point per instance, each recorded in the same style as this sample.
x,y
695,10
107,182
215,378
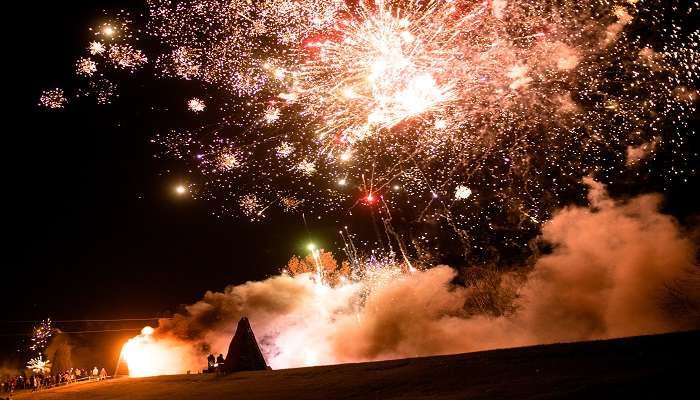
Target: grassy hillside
x,y
658,366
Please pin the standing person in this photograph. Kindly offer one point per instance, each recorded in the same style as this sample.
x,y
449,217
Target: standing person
x,y
95,372
211,360
103,373
220,363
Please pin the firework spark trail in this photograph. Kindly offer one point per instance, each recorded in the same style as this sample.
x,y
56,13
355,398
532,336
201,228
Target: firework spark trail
x,y
516,101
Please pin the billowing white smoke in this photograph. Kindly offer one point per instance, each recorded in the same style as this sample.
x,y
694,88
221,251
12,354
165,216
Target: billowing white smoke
x,y
616,269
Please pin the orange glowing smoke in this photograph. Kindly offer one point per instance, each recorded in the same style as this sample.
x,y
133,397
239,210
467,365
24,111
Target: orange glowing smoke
x,y
146,356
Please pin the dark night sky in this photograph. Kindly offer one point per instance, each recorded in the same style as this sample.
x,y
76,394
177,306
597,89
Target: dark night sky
x,y
92,227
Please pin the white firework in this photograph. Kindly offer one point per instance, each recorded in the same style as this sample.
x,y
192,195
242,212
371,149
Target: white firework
x,y
96,48
39,366
196,105
284,150
306,167
462,192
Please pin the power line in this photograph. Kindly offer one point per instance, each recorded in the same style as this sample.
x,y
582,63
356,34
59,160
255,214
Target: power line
x,y
105,330
83,320
76,332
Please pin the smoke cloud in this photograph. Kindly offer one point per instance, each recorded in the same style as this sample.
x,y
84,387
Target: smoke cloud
x,y
616,268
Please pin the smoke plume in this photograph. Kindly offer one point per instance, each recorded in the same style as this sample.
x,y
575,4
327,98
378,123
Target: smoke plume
x,y
616,268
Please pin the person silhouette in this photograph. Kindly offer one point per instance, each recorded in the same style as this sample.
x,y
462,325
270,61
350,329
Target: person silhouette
x,y
211,361
220,363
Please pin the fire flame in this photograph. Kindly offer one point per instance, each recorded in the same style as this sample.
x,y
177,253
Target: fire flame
x,y
146,356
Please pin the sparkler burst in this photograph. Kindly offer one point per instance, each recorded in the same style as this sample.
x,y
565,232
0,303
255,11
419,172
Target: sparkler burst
x,y
411,107
39,366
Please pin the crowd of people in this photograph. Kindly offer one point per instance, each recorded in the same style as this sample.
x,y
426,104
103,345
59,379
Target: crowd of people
x,y
40,381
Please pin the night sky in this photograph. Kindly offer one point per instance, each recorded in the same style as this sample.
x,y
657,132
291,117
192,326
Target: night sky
x,y
93,228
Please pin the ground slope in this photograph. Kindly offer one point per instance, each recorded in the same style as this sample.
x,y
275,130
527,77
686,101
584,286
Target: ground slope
x,y
659,366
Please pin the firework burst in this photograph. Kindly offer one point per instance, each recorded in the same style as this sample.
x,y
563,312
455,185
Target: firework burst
x,y
41,334
196,105
54,98
413,107
39,366
85,67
